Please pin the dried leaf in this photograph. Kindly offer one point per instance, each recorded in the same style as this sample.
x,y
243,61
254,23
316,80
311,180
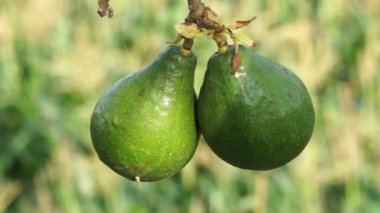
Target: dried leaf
x,y
190,30
239,24
244,39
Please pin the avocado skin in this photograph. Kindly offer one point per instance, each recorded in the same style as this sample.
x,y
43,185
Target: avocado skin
x,y
260,118
145,125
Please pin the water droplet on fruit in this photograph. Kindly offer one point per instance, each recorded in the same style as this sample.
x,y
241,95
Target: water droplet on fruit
x,y
239,74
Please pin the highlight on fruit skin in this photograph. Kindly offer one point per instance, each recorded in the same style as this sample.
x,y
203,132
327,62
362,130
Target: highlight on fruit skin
x,y
144,126
259,117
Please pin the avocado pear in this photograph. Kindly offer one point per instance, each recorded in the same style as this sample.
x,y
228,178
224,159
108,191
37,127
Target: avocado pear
x,y
144,126
261,117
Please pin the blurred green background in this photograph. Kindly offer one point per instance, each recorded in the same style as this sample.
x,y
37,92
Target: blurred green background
x,y
57,58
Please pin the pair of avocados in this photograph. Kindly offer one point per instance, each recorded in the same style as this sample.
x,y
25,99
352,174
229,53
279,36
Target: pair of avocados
x,y
145,127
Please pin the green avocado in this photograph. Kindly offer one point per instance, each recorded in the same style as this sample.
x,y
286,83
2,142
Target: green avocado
x,y
144,126
259,118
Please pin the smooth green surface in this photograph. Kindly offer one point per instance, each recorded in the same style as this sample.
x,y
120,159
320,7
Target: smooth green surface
x,y
259,118
144,125
58,57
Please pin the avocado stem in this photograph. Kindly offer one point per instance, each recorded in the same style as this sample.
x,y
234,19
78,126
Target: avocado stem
x,y
221,40
186,46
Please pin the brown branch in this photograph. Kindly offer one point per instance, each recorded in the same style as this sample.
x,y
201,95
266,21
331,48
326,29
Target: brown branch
x,y
204,17
199,14
105,8
196,8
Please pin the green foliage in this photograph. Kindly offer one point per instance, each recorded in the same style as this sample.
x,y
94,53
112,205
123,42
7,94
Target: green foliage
x,y
57,57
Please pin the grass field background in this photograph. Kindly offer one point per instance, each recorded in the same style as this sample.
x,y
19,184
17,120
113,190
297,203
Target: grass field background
x,y
57,58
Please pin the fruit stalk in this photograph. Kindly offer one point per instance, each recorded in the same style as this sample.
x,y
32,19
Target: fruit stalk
x,y
186,47
196,11
196,8
206,18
